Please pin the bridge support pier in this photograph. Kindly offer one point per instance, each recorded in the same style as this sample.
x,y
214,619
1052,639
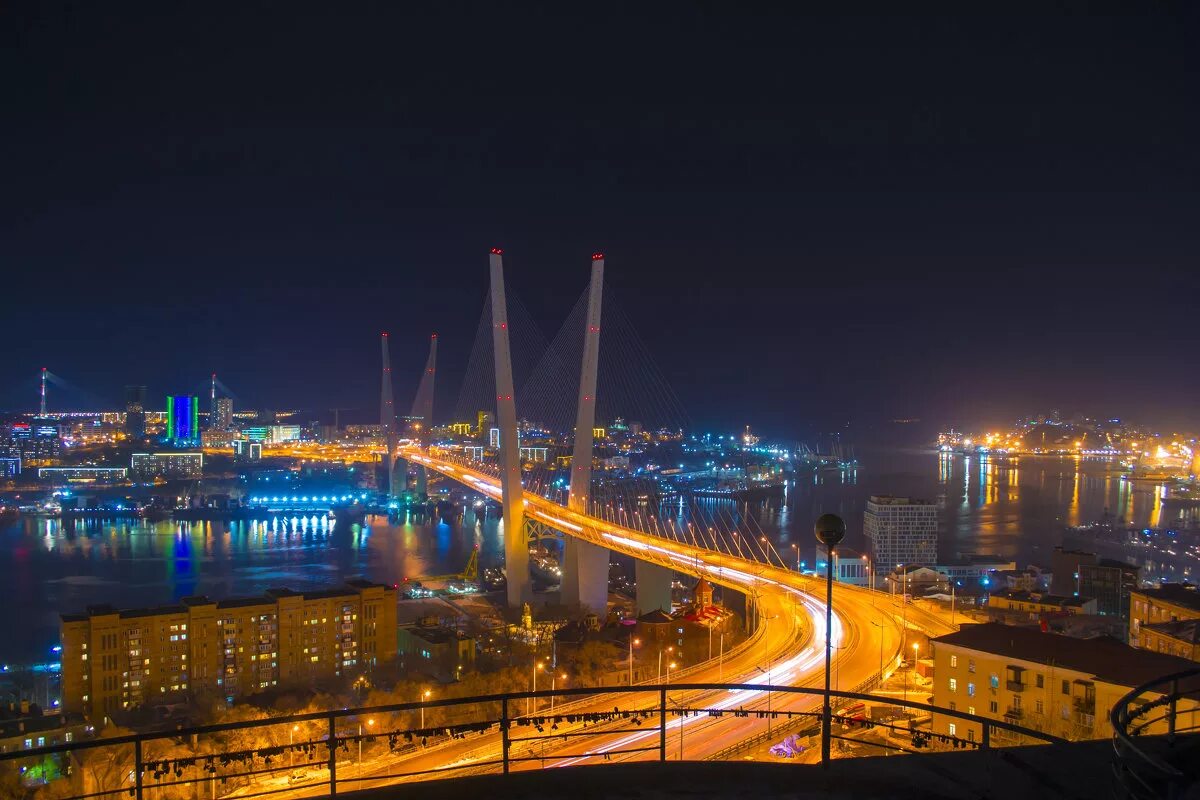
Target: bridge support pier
x,y
422,482
585,575
397,477
653,587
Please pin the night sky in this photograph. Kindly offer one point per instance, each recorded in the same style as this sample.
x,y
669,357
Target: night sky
x,y
810,219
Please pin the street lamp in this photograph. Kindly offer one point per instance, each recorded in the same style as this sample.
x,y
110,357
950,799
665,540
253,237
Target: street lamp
x,y
670,649
553,676
294,729
880,626
797,549
370,722
424,699
536,667
830,529
670,667
632,642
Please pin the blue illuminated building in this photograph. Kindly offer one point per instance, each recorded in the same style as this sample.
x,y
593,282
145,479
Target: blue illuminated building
x,y
183,420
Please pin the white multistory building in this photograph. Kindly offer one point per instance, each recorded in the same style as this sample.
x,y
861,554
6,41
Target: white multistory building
x,y
901,530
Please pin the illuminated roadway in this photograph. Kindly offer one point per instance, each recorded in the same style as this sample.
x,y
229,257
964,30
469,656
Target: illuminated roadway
x,y
788,652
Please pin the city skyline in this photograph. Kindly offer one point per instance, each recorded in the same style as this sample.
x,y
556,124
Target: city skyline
x,y
905,242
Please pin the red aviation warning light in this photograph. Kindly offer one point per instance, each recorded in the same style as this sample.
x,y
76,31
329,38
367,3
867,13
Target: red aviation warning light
x,y
597,256
497,251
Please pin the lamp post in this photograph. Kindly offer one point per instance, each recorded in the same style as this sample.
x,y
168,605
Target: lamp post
x,y
721,659
553,676
632,642
796,548
539,665
670,649
670,666
830,529
870,583
291,733
424,699
370,723
880,626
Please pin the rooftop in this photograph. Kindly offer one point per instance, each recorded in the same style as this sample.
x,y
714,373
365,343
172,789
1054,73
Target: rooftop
x,y
1103,657
1042,598
1183,594
1185,630
351,588
892,500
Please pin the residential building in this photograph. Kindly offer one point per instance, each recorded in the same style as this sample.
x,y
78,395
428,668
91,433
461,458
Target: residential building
x,y
223,414
169,466
36,443
901,530
1168,602
432,649
1043,681
204,649
63,475
1179,638
1036,604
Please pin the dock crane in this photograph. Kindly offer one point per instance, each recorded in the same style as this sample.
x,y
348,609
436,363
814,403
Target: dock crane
x,y
470,574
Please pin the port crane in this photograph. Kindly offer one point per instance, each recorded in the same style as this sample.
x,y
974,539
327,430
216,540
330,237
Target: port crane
x,y
470,573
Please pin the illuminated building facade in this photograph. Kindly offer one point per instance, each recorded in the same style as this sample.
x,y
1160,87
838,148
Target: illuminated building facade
x,y
223,414
204,649
1044,681
901,530
246,450
36,443
61,475
169,466
1167,603
183,420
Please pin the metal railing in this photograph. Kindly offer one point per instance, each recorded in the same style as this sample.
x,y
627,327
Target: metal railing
x,y
149,766
1150,769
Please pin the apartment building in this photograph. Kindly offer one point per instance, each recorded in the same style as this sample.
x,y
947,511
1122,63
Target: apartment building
x,y
1169,602
1044,681
202,649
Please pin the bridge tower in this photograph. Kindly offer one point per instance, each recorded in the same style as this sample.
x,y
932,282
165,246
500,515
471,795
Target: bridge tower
x,y
516,548
387,416
423,408
43,411
585,565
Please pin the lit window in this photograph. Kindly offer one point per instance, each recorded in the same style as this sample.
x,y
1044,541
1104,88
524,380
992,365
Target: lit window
x,y
954,684
953,729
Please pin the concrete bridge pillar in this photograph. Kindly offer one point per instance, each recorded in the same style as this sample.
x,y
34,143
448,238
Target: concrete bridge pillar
x,y
585,565
653,586
516,547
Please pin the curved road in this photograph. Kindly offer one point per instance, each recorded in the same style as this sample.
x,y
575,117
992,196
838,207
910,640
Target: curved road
x,y
867,636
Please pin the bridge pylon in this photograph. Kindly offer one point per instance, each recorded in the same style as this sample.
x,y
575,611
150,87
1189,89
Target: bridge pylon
x,y
423,408
585,565
516,548
387,416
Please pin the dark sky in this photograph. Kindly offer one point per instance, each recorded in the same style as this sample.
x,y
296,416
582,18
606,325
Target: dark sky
x,y
811,218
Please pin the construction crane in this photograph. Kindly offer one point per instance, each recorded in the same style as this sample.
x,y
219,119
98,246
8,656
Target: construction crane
x,y
470,573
